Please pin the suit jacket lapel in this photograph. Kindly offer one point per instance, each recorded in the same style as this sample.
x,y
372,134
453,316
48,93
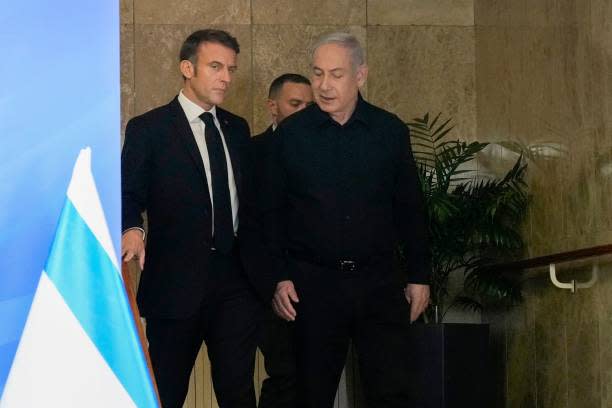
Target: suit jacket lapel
x,y
233,149
183,130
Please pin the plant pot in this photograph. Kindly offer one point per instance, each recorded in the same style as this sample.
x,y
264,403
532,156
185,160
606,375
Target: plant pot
x,y
453,363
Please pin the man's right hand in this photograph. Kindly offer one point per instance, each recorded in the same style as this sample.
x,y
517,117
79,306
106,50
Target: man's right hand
x,y
132,246
281,302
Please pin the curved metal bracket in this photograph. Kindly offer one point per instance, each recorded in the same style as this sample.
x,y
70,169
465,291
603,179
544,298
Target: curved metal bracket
x,y
553,277
592,280
573,285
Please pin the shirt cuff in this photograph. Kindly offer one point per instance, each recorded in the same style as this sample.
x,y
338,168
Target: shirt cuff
x,y
144,234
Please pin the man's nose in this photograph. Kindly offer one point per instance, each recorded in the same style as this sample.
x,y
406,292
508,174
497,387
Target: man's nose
x,y
226,76
324,83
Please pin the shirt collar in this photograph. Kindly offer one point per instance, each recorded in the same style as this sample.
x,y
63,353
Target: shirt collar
x,y
361,111
359,114
193,110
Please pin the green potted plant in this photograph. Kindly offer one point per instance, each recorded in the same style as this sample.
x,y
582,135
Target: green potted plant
x,y
474,221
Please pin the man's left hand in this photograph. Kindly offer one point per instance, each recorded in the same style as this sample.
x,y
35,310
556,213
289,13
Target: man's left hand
x,y
418,297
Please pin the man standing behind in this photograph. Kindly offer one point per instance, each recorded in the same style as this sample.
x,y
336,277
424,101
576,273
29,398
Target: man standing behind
x,y
182,164
288,94
340,191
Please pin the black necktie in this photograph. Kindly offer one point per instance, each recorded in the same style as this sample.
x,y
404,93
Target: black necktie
x,y
222,207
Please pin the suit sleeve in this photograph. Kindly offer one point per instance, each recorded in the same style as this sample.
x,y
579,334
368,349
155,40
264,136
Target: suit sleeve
x,y
253,251
135,174
410,214
272,208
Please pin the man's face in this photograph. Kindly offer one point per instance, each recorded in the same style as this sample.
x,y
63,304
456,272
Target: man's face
x,y
335,81
208,80
291,98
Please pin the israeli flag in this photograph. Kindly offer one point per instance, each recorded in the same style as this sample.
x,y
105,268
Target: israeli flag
x,y
80,346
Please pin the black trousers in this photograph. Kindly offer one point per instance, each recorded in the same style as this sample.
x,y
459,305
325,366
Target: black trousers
x,y
278,348
227,322
366,306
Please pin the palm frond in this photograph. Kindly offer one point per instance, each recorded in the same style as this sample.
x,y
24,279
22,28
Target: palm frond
x,y
493,286
468,303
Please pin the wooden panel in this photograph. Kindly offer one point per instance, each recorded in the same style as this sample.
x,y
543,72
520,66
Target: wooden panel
x,y
198,369
201,393
260,372
190,400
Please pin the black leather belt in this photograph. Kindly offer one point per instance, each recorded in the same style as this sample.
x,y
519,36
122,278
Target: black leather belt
x,y
347,266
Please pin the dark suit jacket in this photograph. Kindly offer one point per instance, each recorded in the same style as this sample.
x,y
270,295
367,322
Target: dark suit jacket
x,y
261,143
163,174
252,248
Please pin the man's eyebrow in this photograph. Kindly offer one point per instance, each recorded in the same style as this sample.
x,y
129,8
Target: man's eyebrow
x,y
331,70
222,64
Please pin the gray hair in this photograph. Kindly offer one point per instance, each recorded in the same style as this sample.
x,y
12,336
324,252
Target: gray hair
x,y
346,40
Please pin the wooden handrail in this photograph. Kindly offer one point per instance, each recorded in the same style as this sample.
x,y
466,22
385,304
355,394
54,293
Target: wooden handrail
x,y
551,259
136,314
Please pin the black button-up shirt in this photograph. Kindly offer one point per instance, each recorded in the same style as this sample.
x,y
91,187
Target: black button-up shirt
x,y
342,192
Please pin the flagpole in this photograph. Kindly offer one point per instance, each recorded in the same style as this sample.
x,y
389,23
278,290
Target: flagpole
x,y
136,314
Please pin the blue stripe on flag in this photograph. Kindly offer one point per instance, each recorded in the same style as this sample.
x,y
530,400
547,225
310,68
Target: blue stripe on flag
x,y
90,284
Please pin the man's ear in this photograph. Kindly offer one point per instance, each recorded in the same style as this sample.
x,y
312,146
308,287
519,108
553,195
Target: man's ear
x,y
187,69
273,109
362,75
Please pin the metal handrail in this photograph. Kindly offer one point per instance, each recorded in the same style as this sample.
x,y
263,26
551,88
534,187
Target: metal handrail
x,y
552,260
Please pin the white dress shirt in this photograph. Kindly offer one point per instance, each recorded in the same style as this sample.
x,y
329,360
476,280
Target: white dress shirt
x,y
193,112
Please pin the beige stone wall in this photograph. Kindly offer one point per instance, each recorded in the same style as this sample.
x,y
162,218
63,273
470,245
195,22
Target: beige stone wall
x,y
543,78
421,53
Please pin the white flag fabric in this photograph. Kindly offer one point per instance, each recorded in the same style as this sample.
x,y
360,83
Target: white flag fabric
x,y
80,346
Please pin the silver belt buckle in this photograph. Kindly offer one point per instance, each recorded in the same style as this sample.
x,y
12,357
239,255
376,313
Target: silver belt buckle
x,y
348,266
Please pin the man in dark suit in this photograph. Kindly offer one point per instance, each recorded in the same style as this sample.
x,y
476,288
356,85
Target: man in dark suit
x,y
288,94
183,164
340,191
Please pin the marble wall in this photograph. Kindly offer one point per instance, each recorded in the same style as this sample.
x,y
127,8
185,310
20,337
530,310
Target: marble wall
x,y
543,81
421,54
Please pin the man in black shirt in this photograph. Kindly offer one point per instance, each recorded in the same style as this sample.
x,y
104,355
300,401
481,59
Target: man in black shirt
x,y
288,94
340,191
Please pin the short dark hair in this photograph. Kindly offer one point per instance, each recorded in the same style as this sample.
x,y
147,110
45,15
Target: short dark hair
x,y
189,49
278,83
